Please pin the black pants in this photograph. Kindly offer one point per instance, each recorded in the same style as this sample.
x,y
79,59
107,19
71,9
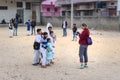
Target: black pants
x,y
33,30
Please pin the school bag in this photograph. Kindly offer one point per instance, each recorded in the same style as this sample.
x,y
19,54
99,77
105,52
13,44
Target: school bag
x,y
36,46
89,41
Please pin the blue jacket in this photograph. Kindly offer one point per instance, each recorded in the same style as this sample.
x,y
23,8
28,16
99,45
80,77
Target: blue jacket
x,y
28,25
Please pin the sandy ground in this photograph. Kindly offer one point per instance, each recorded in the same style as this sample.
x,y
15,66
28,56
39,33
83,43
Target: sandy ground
x,y
16,56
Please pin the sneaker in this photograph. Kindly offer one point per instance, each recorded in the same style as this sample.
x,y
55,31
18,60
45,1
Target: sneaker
x,y
34,64
85,66
82,66
43,66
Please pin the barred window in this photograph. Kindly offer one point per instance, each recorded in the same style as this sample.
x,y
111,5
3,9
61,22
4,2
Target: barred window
x,y
3,7
28,5
19,4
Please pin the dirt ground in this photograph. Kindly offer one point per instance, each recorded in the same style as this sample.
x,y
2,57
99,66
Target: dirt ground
x,y
16,56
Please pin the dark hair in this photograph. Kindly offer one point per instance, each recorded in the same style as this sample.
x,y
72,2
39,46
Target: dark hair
x,y
74,24
45,33
84,25
51,32
48,39
38,30
50,27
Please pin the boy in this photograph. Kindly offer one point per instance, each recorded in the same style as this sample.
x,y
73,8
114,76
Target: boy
x,y
49,52
10,29
15,27
33,25
52,38
48,25
37,54
48,30
28,27
64,27
74,29
43,49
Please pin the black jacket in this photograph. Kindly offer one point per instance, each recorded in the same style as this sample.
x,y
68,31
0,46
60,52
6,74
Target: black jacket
x,y
33,23
74,29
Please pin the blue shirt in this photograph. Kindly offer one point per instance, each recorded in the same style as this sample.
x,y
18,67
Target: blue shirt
x,y
44,43
28,25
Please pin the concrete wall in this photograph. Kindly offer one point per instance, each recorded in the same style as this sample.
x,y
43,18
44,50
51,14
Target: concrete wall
x,y
7,14
12,10
101,23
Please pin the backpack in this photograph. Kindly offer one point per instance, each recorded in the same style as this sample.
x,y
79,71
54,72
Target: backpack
x,y
89,41
36,46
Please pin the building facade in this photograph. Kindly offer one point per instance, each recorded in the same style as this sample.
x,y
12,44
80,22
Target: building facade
x,y
118,8
89,7
50,9
26,9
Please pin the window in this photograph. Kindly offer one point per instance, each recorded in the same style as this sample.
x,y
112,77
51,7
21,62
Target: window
x,y
63,13
3,7
56,9
19,4
112,3
101,4
28,5
88,13
48,9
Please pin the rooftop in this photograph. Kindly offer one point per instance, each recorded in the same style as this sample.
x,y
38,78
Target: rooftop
x,y
79,1
48,2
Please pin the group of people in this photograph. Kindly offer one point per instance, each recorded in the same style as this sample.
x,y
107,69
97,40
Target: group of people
x,y
44,47
83,36
44,42
31,26
74,29
44,54
13,27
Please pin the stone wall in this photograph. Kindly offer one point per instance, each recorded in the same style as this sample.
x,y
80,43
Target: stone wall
x,y
99,23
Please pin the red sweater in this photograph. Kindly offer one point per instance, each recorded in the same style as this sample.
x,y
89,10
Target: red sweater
x,y
83,36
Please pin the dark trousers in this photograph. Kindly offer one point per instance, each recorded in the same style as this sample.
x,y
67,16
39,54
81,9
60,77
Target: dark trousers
x,y
64,32
74,36
15,32
83,53
33,30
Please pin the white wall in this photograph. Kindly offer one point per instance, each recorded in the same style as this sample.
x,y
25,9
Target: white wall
x,y
27,13
37,14
7,14
12,10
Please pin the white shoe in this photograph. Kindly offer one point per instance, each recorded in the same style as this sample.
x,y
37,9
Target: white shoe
x,y
82,66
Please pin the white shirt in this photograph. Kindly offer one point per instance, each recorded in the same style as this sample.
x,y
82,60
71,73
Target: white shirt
x,y
52,40
48,25
38,38
64,25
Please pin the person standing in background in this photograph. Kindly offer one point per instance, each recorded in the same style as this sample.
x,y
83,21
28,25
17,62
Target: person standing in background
x,y
11,29
33,24
64,27
28,27
74,29
15,27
